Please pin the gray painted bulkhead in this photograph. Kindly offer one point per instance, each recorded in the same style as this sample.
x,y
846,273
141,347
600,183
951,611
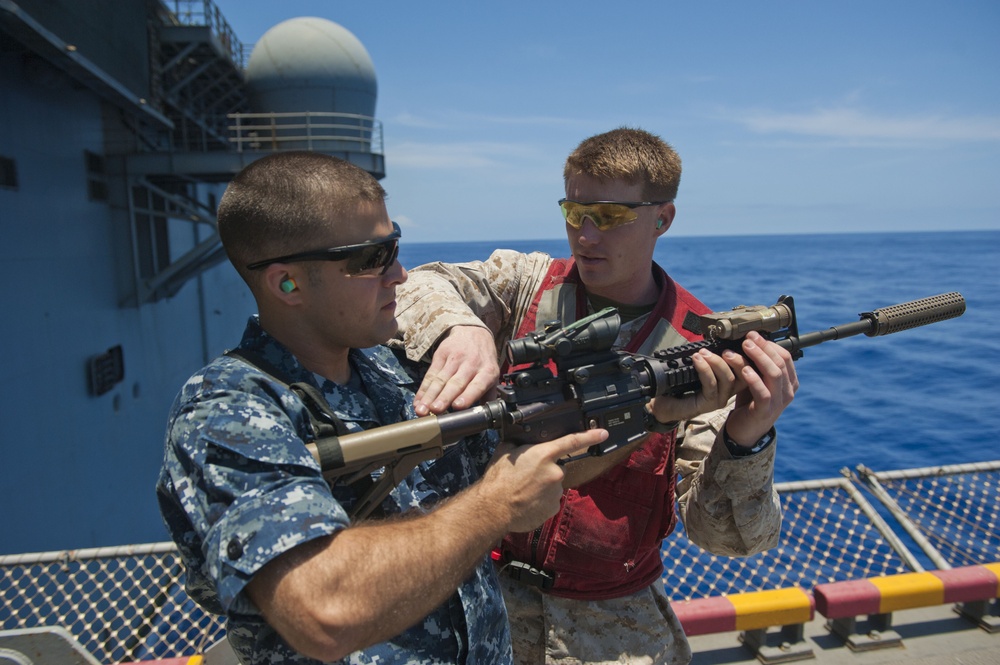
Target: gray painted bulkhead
x,y
78,469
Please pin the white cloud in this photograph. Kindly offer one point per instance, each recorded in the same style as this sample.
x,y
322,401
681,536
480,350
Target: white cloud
x,y
406,119
405,222
452,118
848,123
476,154
531,120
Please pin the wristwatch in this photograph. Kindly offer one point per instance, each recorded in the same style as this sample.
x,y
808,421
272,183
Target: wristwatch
x,y
736,450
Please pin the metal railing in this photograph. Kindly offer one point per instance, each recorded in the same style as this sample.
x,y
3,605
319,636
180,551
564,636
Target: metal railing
x,y
122,604
129,604
831,532
309,130
205,13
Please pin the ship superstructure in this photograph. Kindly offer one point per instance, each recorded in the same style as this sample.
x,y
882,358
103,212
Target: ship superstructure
x,y
122,122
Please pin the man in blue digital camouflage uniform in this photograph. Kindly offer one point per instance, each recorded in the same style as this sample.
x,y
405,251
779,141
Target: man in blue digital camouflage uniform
x,y
265,539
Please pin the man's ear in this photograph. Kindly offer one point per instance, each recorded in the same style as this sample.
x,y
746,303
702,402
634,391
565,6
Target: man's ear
x,y
665,218
282,283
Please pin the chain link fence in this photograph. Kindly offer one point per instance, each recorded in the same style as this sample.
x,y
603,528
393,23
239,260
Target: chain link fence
x,y
128,603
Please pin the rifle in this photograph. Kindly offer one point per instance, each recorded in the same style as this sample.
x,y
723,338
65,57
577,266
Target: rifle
x,y
592,386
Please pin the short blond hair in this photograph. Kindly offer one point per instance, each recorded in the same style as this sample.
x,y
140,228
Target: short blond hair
x,y
633,155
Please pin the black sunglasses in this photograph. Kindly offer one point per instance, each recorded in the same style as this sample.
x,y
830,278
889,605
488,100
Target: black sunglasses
x,y
361,258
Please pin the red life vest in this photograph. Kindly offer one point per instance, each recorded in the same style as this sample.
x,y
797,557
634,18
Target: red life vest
x,y
605,540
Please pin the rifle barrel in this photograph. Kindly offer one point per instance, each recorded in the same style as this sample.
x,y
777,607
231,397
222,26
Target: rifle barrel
x,y
886,320
456,425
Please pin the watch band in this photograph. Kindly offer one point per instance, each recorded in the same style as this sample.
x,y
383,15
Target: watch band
x,y
736,450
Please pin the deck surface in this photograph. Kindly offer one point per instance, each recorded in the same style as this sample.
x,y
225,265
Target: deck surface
x,y
930,636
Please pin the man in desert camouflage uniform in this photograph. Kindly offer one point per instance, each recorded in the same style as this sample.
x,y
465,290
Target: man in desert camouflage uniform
x,y
265,539
586,586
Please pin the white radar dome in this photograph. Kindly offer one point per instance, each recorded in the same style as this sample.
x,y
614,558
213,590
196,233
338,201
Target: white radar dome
x,y
311,64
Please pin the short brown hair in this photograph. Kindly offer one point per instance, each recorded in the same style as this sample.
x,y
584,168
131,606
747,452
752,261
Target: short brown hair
x,y
633,155
281,203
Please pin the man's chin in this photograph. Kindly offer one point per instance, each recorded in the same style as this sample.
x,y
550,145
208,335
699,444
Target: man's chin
x,y
389,330
592,272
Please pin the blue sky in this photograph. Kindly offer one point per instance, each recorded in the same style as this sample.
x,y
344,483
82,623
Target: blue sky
x,y
790,117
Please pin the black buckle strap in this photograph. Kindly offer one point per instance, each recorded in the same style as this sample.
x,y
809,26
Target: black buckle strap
x,y
526,574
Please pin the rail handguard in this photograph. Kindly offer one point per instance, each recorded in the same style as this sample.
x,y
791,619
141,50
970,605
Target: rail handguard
x,y
592,386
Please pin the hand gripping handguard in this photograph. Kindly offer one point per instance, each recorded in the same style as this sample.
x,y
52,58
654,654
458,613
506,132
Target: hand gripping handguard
x,y
592,386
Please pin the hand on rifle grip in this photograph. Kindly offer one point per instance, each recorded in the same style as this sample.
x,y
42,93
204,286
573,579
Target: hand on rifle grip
x,y
528,479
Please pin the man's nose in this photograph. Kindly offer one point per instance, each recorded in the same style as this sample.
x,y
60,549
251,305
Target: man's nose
x,y
589,233
396,274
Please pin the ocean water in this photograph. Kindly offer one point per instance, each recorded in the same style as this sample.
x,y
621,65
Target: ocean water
x,y
922,397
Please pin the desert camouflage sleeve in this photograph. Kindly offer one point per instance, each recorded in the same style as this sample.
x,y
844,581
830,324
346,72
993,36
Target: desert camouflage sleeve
x,y
729,506
493,294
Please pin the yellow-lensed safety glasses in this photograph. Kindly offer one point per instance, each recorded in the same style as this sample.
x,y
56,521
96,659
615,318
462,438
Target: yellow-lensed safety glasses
x,y
606,215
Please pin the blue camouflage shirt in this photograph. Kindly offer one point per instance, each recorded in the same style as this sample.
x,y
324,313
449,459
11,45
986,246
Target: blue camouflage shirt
x,y
238,488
